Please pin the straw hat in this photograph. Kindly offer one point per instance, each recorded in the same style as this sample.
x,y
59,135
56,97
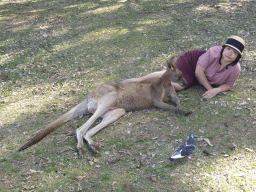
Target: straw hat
x,y
236,43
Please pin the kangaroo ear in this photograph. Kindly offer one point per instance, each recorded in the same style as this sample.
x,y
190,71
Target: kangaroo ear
x,y
171,64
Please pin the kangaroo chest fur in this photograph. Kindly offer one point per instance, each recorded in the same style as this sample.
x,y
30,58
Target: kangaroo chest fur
x,y
130,96
133,96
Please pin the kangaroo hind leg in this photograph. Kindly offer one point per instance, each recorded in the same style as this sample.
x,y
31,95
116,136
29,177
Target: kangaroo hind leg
x,y
103,105
109,117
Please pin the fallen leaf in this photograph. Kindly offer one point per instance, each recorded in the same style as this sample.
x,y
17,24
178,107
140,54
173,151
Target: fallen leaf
x,y
34,171
208,141
28,187
201,131
91,162
153,178
142,138
79,187
113,184
153,155
240,175
249,149
80,178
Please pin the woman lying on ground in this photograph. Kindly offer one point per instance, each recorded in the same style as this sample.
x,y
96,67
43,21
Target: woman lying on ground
x,y
217,66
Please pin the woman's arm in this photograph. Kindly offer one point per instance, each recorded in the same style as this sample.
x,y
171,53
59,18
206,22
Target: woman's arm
x,y
147,78
153,77
202,78
211,92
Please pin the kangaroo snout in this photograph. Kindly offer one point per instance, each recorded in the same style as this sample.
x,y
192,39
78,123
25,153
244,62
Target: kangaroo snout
x,y
183,82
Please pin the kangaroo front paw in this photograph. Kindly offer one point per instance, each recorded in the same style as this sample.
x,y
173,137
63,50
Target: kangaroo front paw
x,y
181,112
187,113
92,148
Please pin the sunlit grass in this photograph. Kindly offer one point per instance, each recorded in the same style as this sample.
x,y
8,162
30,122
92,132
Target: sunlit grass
x,y
108,9
204,8
229,173
105,34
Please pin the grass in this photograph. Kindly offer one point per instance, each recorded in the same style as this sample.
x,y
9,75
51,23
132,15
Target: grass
x,y
53,52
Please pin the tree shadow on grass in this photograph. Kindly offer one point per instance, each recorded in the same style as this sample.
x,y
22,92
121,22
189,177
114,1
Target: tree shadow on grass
x,y
45,38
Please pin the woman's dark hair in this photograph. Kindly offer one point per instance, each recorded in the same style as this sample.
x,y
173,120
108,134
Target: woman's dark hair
x,y
236,60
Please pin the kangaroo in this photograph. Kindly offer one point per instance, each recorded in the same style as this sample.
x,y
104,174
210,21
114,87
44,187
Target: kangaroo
x,y
111,101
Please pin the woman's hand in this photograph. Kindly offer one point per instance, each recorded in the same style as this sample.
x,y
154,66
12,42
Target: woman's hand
x,y
211,93
214,91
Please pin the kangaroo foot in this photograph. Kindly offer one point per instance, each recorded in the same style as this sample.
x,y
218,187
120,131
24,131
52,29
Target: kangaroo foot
x,y
92,148
80,153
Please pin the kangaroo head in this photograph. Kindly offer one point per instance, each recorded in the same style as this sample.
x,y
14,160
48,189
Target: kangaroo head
x,y
175,75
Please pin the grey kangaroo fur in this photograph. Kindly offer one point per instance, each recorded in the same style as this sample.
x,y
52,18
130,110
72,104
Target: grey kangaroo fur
x,y
111,101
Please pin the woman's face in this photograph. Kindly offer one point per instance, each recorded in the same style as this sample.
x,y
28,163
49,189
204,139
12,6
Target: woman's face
x,y
229,54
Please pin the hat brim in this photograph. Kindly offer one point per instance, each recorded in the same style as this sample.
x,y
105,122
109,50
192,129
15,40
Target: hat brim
x,y
233,47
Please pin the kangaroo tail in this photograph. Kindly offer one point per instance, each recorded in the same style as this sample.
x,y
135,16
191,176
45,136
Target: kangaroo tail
x,y
80,109
43,133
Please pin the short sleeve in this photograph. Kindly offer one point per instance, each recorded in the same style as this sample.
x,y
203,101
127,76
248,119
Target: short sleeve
x,y
211,56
